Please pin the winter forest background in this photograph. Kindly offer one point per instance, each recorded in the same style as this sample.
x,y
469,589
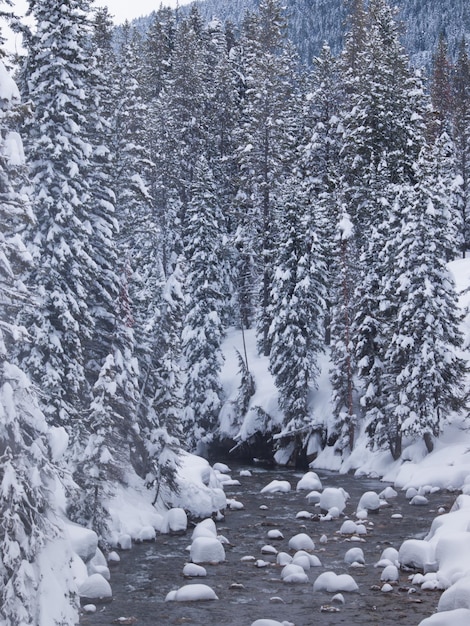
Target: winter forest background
x,y
178,186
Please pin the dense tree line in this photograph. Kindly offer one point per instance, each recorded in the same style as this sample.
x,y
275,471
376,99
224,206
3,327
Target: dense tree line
x,y
199,177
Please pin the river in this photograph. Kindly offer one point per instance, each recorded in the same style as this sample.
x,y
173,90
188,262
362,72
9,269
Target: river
x,y
149,571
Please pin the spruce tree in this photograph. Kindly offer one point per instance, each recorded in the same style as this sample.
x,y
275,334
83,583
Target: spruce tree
x,y
28,477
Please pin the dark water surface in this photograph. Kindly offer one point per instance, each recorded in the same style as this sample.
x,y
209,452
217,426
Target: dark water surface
x,y
246,593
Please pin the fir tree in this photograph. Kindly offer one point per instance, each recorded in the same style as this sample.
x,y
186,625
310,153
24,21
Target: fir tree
x,y
27,475
296,333
203,327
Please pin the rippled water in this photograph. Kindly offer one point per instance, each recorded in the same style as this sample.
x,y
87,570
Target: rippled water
x,y
149,571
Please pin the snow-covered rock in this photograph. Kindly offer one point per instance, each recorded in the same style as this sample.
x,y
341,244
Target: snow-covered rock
x,y
354,555
333,497
270,622
146,533
222,468
83,541
207,550
191,570
191,593
348,527
369,501
309,481
95,587
332,582
277,486
205,528
124,541
458,617
175,521
283,558
415,553
292,573
275,533
390,574
301,541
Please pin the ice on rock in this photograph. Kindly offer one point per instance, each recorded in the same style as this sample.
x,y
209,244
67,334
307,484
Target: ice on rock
x,y
191,570
174,521
369,501
354,555
191,593
458,617
309,481
456,597
333,583
390,574
333,497
277,486
205,528
207,550
301,541
95,587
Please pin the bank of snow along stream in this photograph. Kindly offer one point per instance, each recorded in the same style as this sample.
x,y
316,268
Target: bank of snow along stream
x,y
299,549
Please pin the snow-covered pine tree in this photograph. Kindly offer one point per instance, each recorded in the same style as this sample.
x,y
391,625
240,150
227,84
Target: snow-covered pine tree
x,y
27,475
162,390
264,143
383,133
296,334
343,365
55,78
461,136
441,87
425,374
203,330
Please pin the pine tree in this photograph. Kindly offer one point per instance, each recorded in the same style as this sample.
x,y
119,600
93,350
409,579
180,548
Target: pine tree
x,y
343,369
296,333
203,326
424,372
56,74
461,135
441,87
264,143
27,475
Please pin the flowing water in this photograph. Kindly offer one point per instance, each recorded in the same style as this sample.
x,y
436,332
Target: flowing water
x,y
149,571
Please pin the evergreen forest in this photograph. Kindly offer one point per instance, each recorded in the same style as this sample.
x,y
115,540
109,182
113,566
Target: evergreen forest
x,y
161,187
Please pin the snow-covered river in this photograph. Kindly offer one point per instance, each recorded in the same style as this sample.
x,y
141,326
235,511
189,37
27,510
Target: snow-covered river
x,y
250,589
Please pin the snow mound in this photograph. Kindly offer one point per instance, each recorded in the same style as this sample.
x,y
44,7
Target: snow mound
x,y
95,587
333,583
205,528
277,486
333,497
191,593
309,481
354,555
270,622
83,541
458,617
456,597
301,541
191,570
207,550
174,521
369,501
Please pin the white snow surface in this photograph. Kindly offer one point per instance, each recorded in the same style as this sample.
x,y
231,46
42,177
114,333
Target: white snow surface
x,y
192,593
